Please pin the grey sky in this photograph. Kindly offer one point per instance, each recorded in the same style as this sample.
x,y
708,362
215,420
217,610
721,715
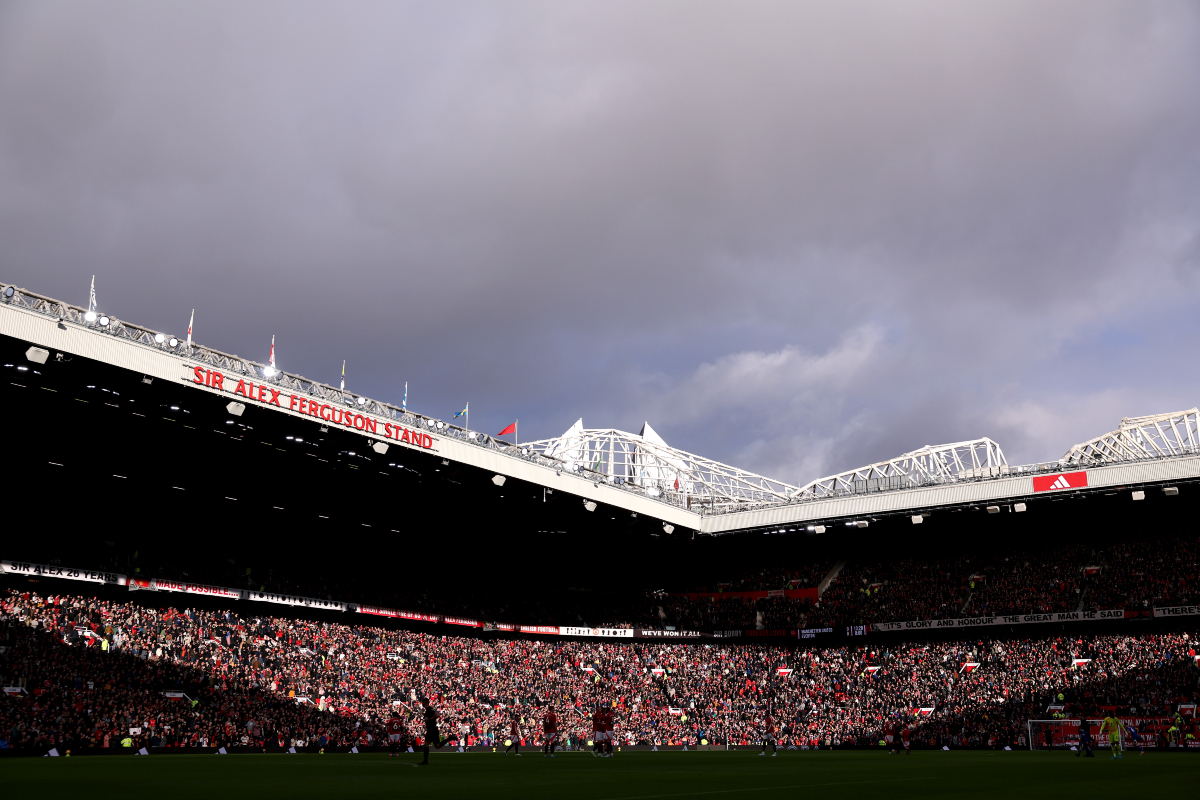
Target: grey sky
x,y
797,237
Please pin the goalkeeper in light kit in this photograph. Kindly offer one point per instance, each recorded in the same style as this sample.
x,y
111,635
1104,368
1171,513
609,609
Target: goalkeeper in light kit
x,y
1114,727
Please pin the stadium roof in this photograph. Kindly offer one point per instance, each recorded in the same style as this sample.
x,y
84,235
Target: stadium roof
x,y
637,472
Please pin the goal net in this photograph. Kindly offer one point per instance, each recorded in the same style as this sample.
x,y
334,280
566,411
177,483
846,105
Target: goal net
x,y
1063,734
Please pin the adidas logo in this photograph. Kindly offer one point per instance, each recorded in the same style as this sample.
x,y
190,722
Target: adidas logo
x,y
1060,483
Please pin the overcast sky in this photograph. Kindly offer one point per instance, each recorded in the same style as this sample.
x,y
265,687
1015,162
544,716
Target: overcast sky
x,y
795,237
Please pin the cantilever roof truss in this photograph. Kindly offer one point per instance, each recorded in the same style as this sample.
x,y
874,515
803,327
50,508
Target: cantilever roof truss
x,y
645,460
1155,436
930,464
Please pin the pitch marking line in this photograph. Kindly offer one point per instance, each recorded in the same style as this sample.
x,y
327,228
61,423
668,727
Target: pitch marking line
x,y
764,788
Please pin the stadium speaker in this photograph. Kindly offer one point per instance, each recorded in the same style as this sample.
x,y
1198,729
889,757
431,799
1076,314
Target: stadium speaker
x,y
498,480
236,408
379,447
1018,507
589,505
668,527
917,519
37,355
1139,495
993,509
1170,491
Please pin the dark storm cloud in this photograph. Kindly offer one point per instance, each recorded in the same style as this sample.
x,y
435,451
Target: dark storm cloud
x,y
795,237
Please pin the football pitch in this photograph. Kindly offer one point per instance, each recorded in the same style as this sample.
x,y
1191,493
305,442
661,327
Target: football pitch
x,y
628,776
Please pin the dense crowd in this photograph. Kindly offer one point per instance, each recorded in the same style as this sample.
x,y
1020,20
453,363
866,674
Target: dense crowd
x,y
95,673
1135,574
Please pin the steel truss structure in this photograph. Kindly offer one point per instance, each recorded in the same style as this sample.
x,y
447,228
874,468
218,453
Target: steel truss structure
x,y
645,464
295,384
643,459
932,464
1155,436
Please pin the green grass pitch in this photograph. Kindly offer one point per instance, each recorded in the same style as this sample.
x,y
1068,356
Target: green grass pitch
x,y
628,776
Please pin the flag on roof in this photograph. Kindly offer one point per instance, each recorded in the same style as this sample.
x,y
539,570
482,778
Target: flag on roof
x,y
462,413
271,358
510,429
92,296
343,374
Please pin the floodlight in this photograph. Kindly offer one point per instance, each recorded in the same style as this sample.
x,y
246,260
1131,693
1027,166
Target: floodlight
x,y
668,528
1170,491
362,401
498,480
1139,495
90,316
589,505
174,342
1018,507
439,426
160,338
9,292
104,322
269,371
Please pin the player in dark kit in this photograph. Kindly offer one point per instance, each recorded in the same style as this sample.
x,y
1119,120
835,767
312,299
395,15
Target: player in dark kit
x,y
431,729
395,734
1085,740
550,733
1135,737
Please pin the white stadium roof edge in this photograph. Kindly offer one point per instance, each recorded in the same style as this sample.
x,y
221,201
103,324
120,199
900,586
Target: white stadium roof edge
x,y
640,472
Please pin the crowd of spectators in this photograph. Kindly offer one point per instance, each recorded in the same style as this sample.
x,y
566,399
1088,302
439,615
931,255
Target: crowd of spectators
x,y
1136,574
95,673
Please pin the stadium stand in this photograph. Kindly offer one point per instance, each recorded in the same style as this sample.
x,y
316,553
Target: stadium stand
x,y
1162,570
84,672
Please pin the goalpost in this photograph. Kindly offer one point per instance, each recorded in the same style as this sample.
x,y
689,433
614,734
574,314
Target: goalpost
x,y
1064,734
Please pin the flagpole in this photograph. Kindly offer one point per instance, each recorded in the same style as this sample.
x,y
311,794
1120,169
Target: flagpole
x,y
516,433
190,322
468,416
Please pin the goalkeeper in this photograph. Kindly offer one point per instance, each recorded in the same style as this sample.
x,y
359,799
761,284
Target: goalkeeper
x,y
1114,727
